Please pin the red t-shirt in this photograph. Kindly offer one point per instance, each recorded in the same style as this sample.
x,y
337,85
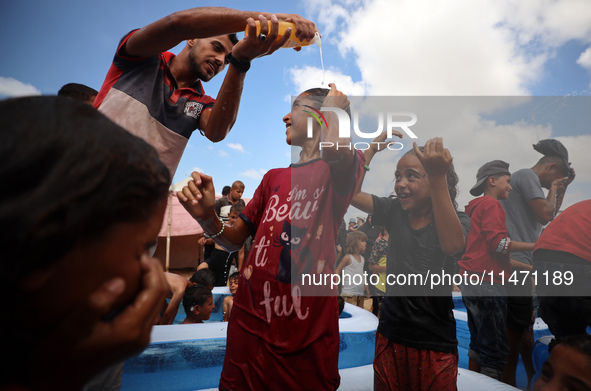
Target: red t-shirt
x,y
279,337
488,244
569,232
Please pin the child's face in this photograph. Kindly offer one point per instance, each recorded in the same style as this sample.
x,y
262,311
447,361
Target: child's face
x,y
206,309
412,184
503,187
566,369
117,254
362,246
233,285
232,217
296,121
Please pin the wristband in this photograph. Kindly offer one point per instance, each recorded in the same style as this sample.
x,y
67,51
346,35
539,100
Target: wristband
x,y
366,167
218,234
242,65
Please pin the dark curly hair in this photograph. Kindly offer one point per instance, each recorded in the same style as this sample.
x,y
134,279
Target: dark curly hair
x,y
68,175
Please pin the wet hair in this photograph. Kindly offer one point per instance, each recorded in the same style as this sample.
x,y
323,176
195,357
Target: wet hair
x,y
451,177
226,190
77,91
205,277
581,343
561,165
68,174
318,95
234,276
238,208
233,38
353,239
195,295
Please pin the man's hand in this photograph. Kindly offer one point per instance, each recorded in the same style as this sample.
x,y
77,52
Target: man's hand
x,y
305,29
251,47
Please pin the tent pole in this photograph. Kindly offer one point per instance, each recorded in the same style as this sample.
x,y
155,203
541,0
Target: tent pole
x,y
168,231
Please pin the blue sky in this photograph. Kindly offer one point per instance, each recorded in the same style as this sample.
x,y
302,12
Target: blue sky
x,y
380,47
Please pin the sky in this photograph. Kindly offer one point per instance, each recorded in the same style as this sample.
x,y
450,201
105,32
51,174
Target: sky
x,y
474,48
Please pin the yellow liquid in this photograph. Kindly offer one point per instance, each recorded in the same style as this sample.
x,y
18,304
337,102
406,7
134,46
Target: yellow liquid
x,y
292,42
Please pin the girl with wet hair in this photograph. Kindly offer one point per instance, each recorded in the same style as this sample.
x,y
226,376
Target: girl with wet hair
x,y
416,345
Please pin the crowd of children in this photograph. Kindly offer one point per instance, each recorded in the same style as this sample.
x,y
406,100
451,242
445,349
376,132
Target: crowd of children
x,y
268,309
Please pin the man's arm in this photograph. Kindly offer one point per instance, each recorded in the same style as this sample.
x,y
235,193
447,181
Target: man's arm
x,y
545,209
203,22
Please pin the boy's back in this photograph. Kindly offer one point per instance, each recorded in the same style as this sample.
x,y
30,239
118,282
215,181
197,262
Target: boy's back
x,y
487,244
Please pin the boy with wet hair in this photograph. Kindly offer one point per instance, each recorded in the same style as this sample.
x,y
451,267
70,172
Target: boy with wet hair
x,y
488,249
204,277
229,300
198,304
273,313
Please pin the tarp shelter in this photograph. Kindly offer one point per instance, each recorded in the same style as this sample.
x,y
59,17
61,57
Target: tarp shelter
x,y
178,239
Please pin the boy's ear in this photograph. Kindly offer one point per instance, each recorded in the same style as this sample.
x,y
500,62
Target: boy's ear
x,y
492,181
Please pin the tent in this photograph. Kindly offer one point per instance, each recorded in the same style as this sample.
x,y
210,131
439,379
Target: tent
x,y
178,239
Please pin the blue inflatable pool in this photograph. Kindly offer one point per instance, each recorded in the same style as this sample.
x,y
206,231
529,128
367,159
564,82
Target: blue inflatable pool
x,y
190,357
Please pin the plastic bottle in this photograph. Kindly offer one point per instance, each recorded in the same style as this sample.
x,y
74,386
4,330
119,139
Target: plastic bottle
x,y
293,41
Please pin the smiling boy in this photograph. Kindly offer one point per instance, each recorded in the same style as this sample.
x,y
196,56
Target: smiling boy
x,y
488,255
277,332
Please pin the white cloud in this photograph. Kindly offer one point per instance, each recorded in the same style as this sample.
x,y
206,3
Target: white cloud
x,y
253,173
223,153
311,77
584,60
237,147
462,47
10,87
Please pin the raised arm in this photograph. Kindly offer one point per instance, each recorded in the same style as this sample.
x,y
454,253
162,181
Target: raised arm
x,y
203,22
436,161
545,209
177,285
198,198
364,201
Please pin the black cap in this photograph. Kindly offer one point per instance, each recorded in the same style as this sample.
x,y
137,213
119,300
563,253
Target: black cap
x,y
496,167
551,147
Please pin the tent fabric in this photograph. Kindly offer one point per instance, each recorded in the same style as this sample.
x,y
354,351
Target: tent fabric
x,y
181,223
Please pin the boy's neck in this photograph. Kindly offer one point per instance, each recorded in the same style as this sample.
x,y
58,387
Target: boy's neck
x,y
491,192
192,318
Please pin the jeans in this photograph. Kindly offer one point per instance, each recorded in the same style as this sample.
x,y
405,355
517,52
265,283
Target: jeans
x,y
487,316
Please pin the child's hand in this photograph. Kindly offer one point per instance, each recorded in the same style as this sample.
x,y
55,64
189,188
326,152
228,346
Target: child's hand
x,y
88,341
436,159
198,197
336,98
379,144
